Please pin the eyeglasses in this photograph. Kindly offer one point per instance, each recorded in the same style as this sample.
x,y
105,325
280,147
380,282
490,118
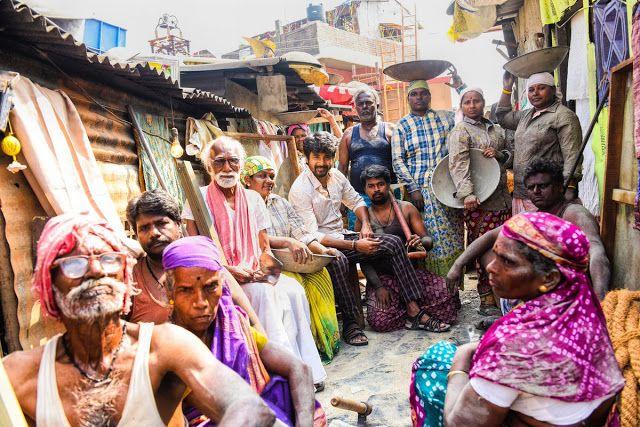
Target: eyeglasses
x,y
541,186
74,267
234,162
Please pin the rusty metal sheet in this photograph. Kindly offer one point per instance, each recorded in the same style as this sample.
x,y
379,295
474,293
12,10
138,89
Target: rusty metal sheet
x,y
19,206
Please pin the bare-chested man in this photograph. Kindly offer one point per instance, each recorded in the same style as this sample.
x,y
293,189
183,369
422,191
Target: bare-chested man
x,y
104,371
543,181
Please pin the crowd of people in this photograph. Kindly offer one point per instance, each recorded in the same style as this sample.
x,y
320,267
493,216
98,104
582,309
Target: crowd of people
x,y
200,331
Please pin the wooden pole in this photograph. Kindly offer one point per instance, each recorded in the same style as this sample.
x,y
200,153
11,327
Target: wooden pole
x,y
145,146
361,408
617,100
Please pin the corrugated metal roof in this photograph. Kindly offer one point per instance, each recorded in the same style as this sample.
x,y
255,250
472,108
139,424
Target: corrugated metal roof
x,y
212,76
20,22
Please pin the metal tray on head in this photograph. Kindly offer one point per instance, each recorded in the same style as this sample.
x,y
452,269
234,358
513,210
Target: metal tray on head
x,y
425,69
317,262
485,175
538,61
295,117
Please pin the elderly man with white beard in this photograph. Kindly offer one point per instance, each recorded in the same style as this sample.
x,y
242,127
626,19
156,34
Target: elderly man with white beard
x,y
104,371
241,220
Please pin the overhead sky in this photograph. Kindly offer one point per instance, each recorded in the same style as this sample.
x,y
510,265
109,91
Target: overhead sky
x,y
218,25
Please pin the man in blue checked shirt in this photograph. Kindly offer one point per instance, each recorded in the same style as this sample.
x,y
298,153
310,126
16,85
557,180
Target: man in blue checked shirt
x,y
418,143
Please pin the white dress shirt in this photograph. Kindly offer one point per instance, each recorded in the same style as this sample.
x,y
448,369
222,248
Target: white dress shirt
x,y
319,207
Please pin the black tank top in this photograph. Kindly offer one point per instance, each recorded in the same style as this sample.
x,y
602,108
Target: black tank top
x,y
363,153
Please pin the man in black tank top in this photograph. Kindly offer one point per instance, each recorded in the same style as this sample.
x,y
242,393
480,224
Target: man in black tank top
x,y
367,143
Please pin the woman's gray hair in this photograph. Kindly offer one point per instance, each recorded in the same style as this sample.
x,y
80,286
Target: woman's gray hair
x,y
205,154
368,91
541,264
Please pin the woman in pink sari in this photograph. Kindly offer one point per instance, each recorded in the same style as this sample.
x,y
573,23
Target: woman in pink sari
x,y
547,362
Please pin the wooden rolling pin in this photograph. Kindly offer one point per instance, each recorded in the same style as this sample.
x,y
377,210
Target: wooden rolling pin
x,y
360,408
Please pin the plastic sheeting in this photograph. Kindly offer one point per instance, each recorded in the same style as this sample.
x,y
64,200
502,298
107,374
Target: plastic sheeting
x,y
62,169
578,90
468,25
161,152
551,11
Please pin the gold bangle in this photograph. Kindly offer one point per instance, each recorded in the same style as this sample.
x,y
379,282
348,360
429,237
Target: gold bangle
x,y
507,92
572,186
452,373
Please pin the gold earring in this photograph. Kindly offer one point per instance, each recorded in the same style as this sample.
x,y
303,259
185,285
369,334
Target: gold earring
x,y
543,289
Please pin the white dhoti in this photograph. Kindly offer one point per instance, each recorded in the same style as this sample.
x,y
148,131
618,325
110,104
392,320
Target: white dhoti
x,y
283,310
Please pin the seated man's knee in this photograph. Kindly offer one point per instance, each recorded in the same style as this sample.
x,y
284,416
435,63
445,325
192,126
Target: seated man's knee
x,y
393,243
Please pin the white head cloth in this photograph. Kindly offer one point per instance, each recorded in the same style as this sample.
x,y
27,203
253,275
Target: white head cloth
x,y
459,115
541,79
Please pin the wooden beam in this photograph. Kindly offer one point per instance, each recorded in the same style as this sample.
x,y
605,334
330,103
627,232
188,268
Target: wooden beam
x,y
323,120
624,196
291,146
617,101
257,136
293,158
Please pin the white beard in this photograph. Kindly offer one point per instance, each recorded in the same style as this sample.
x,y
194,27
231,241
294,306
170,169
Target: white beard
x,y
79,304
227,182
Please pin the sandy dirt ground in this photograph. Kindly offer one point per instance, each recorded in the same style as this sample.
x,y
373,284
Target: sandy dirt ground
x,y
380,373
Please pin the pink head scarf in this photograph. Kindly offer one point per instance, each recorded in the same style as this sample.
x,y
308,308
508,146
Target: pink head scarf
x,y
555,345
302,126
60,236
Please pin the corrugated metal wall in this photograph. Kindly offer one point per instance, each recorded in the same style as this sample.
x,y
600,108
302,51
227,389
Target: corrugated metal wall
x,y
115,150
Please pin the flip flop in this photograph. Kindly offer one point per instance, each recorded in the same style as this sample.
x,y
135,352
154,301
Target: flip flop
x,y
353,331
431,325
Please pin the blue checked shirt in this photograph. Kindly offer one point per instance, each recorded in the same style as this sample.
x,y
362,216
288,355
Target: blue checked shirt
x,y
417,144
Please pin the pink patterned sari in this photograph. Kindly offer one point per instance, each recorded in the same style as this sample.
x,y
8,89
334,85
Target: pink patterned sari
x,y
557,344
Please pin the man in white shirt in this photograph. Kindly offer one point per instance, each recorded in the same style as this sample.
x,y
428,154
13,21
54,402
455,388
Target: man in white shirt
x,y
317,195
241,220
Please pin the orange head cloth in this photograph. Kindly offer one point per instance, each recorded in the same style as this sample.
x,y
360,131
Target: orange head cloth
x,y
60,236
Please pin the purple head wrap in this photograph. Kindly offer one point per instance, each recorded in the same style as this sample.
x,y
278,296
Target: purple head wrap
x,y
302,126
194,251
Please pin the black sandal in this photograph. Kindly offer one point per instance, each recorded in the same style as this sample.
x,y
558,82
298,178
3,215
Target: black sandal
x,y
431,325
353,331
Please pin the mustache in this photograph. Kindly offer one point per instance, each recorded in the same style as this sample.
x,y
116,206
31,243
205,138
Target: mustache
x,y
83,303
230,180
159,240
79,292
